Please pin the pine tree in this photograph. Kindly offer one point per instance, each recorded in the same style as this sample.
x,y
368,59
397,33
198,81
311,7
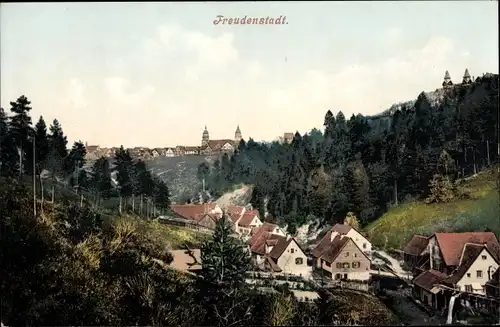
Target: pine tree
x,y
101,179
225,262
161,194
9,157
76,158
58,141
21,130
41,143
124,168
224,258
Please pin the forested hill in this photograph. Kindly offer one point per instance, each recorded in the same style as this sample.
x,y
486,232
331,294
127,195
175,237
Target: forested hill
x,y
355,167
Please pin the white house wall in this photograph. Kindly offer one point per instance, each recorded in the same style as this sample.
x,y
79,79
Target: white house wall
x,y
360,240
287,261
482,265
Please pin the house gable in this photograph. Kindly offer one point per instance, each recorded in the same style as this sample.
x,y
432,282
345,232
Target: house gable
x,y
361,241
476,272
293,259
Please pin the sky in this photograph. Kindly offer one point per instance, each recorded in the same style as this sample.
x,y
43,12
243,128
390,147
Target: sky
x,y
154,74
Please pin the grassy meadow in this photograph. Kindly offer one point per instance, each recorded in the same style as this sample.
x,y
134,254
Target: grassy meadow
x,y
480,213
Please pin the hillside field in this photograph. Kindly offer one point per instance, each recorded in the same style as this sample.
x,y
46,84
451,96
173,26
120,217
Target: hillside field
x,y
396,227
180,174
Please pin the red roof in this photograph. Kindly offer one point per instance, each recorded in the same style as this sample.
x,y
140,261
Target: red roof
x,y
258,244
452,244
428,279
417,245
235,212
192,211
329,249
247,218
257,231
468,257
218,144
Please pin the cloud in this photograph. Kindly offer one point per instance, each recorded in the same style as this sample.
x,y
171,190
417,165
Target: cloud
x,y
371,86
121,91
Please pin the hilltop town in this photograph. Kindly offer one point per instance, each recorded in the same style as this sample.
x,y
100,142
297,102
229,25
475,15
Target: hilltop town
x,y
206,148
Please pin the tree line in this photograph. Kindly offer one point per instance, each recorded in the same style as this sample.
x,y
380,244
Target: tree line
x,y
355,166
27,150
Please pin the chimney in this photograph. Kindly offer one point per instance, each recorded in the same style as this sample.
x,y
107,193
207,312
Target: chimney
x,y
288,237
334,234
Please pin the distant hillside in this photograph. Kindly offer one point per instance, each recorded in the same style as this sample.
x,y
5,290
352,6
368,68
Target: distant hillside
x,y
180,174
396,227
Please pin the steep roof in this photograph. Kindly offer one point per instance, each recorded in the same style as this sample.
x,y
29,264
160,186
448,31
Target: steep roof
x,y
247,218
91,148
466,74
235,212
192,211
323,245
452,244
417,245
341,228
336,246
258,244
344,229
468,257
428,279
446,75
280,247
218,144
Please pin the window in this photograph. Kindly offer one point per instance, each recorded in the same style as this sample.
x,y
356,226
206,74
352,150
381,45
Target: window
x,y
345,265
355,255
299,261
483,257
346,254
292,250
364,245
345,276
328,264
339,265
356,264
468,275
468,288
338,276
479,274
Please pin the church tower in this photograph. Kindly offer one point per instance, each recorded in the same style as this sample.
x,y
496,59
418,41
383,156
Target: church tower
x,y
237,136
447,80
467,80
205,138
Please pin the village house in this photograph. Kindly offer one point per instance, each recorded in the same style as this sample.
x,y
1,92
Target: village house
x,y
92,152
205,215
188,261
243,220
339,257
169,152
156,152
361,241
277,253
413,254
288,138
453,262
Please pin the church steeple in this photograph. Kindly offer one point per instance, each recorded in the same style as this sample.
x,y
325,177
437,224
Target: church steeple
x,y
205,137
447,80
237,135
467,79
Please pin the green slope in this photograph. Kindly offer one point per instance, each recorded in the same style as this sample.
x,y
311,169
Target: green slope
x,y
395,228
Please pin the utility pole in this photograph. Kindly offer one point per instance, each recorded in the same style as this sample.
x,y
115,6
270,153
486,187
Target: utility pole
x,y
34,178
